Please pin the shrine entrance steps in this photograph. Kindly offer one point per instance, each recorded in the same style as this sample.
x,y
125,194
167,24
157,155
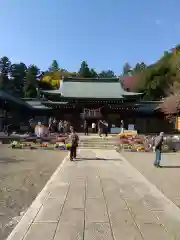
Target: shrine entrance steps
x,y
97,142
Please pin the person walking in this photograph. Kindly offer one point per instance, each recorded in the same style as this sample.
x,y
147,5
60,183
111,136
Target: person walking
x,y
122,126
85,128
93,127
74,144
158,147
100,128
105,128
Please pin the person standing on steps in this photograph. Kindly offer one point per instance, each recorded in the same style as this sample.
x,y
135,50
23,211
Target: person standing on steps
x,y
65,124
158,147
93,127
85,127
100,128
105,128
74,139
122,126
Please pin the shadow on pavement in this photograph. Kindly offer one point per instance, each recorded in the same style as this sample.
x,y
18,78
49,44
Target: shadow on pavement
x,y
10,160
84,158
95,159
170,166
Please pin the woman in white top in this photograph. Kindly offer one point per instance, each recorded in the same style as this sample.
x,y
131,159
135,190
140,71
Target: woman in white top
x,y
93,127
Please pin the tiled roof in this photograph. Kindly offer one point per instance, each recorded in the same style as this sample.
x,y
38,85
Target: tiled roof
x,y
9,97
37,105
91,88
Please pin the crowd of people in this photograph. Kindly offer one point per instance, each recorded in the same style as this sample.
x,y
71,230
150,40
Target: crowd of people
x,y
100,127
59,126
53,125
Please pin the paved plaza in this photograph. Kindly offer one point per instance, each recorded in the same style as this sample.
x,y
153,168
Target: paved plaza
x,y
167,178
100,196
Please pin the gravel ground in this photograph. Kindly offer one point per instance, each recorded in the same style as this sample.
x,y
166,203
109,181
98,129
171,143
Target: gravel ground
x,y
166,179
23,174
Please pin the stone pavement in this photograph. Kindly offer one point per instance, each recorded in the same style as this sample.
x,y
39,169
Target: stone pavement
x,y
167,178
100,196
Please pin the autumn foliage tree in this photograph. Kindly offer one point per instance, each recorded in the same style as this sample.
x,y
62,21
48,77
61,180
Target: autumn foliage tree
x,y
171,104
132,77
53,79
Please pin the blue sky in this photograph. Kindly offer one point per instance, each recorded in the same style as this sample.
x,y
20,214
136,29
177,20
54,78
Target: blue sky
x,y
105,33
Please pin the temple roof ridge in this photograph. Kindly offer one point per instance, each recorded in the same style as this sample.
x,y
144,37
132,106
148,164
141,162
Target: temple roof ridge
x,y
102,88
97,79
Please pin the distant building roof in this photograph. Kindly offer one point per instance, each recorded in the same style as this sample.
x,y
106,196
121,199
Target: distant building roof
x,y
9,97
37,105
95,88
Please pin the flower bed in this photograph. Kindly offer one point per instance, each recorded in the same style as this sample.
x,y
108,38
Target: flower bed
x,y
19,145
40,145
144,143
133,143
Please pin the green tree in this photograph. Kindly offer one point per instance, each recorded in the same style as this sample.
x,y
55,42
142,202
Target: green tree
x,y
31,84
18,75
5,66
155,81
139,67
94,74
54,66
107,74
84,70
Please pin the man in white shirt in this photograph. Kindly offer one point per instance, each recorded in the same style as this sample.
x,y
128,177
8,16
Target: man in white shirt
x,y
93,127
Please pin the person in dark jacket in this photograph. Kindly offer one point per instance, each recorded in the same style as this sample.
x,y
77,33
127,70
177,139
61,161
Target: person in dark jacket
x,y
31,125
158,147
74,139
85,128
105,128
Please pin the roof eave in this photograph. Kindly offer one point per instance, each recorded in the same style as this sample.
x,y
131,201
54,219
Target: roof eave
x,y
8,97
92,97
132,94
52,92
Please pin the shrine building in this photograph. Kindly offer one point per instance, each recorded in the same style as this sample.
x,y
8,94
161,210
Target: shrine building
x,y
92,99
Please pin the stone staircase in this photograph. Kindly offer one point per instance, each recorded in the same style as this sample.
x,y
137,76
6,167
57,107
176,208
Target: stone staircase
x,y
97,142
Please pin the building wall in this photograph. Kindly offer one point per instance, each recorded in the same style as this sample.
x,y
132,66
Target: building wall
x,y
143,124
